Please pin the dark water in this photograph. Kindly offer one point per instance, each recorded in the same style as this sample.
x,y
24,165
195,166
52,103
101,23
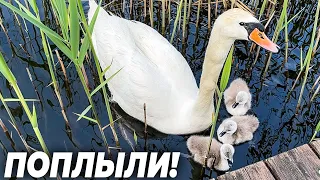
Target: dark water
x,y
280,128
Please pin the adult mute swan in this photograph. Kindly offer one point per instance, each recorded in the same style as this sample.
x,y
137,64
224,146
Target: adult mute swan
x,y
155,73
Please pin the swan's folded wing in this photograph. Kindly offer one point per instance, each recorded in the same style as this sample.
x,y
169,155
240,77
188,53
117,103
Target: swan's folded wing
x,y
162,53
139,80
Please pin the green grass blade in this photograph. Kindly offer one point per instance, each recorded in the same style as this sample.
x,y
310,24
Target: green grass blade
x,y
104,83
5,71
263,7
106,69
34,6
309,54
84,112
34,120
226,71
135,137
316,131
63,16
74,28
87,118
86,41
176,20
286,24
17,100
55,38
33,20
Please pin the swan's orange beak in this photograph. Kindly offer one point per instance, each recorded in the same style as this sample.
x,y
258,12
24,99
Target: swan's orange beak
x,y
262,40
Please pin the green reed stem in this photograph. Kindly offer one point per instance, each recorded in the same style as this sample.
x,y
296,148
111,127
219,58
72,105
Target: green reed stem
x,y
309,55
184,23
163,20
87,91
13,120
98,67
263,7
176,20
279,26
198,13
169,12
151,12
32,118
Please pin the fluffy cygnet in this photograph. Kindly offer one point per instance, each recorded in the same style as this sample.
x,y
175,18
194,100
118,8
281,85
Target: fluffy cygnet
x,y
237,129
220,156
237,97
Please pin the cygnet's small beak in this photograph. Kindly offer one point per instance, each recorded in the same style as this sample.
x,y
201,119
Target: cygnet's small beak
x,y
262,40
234,105
230,162
222,133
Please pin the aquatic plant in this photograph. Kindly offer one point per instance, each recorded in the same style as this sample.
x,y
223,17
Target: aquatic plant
x,y
32,115
70,18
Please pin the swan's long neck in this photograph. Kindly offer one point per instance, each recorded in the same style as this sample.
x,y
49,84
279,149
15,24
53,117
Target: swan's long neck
x,y
216,54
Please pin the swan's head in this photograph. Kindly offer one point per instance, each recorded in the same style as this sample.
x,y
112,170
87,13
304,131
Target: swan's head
x,y
226,153
241,98
238,24
228,126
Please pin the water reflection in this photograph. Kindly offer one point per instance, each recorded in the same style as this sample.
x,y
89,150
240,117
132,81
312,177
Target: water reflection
x,y
280,127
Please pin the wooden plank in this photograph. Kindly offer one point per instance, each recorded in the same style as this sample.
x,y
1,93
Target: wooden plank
x,y
254,171
315,145
299,163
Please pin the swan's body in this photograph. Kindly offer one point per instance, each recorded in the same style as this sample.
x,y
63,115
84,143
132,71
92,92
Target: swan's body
x,y
237,129
237,97
220,156
155,73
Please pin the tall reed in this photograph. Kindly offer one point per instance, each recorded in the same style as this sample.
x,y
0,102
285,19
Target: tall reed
x,y
308,58
70,19
32,115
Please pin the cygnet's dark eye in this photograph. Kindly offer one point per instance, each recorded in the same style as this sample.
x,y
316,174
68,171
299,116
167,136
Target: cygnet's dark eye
x,y
241,23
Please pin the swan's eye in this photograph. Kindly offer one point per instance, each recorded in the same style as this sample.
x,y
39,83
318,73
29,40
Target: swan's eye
x,y
241,23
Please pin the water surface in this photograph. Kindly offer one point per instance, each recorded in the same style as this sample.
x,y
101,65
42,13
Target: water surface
x,y
280,128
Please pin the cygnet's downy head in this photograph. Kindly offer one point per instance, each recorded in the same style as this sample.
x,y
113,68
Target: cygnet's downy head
x,y
227,127
239,24
241,98
227,152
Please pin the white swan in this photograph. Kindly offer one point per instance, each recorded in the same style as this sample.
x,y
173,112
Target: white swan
x,y
155,73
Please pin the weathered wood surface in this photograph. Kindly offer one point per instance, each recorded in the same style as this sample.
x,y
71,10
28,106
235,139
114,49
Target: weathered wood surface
x,y
315,145
257,171
301,163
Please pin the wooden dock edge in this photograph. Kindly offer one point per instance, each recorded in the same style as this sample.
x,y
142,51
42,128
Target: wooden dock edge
x,y
301,163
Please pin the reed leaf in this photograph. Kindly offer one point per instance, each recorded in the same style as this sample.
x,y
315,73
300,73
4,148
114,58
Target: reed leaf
x,y
263,7
17,100
87,118
135,137
309,54
5,71
104,83
226,71
84,112
74,29
86,41
54,37
106,69
176,20
33,20
62,12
